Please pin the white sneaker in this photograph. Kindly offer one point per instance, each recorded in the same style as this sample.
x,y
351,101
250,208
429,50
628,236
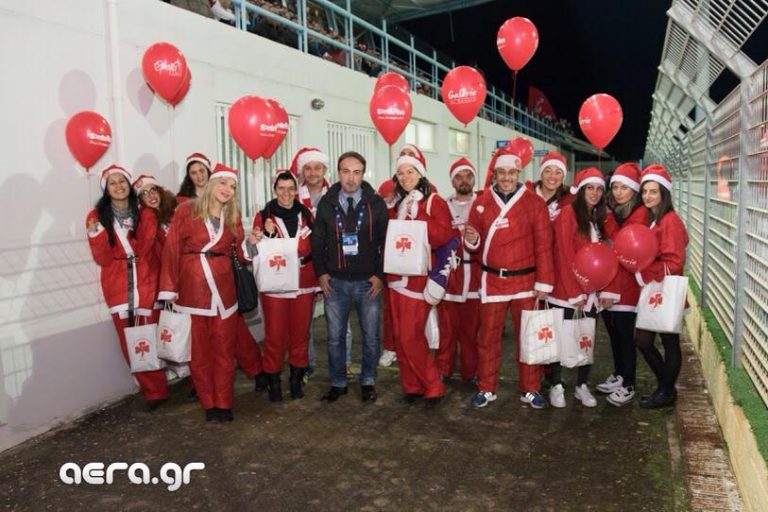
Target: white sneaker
x,y
611,384
621,396
387,358
584,396
557,396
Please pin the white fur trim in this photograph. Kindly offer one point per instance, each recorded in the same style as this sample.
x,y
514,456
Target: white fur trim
x,y
199,160
627,181
658,179
554,162
587,181
512,161
311,156
224,174
460,168
414,162
144,181
543,288
112,171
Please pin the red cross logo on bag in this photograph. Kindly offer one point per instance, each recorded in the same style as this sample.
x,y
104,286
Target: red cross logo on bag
x,y
142,348
403,244
277,261
585,342
545,334
656,300
166,336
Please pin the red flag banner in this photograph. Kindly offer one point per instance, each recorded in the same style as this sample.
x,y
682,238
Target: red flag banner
x,y
538,103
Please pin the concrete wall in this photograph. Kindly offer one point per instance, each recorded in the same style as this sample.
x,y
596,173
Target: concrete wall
x,y
58,351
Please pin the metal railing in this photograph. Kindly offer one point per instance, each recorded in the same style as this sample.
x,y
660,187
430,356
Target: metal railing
x,y
397,50
720,166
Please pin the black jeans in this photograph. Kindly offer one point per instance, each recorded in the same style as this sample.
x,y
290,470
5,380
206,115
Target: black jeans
x,y
556,370
667,367
621,330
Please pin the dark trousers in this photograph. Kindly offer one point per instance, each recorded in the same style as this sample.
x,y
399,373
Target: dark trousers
x,y
666,367
621,330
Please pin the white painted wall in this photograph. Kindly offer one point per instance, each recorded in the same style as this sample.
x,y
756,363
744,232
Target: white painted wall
x,y
59,356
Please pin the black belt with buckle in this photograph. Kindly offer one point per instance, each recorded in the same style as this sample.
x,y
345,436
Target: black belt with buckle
x,y
503,272
304,260
207,254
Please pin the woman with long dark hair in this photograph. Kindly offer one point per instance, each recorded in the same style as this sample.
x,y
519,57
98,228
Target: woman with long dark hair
x,y
587,220
287,316
159,201
122,244
627,206
198,171
673,238
197,277
419,376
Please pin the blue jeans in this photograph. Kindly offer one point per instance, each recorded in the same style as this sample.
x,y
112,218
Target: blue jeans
x,y
337,306
313,355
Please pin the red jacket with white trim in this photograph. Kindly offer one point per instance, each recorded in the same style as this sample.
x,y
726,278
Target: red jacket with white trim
x,y
568,241
200,284
464,282
113,263
673,239
513,236
554,205
434,211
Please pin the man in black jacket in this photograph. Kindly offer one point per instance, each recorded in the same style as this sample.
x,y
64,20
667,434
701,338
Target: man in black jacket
x,y
348,255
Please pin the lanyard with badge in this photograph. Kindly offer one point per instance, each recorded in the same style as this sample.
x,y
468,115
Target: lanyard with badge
x,y
349,245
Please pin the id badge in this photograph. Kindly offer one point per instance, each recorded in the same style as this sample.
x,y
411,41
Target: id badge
x,y
501,223
349,244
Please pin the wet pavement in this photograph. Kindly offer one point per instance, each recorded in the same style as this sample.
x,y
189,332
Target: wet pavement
x,y
348,455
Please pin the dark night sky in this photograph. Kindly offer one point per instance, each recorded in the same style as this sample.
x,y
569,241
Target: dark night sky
x,y
585,47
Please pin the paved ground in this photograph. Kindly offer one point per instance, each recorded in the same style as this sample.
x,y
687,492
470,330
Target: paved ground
x,y
308,455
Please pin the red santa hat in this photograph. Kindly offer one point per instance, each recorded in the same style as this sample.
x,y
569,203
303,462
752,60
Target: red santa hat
x,y
145,180
462,164
417,162
413,148
113,169
278,172
587,176
304,156
657,173
200,159
554,159
628,174
222,171
504,157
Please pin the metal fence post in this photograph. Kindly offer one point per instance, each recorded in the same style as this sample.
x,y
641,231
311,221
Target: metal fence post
x,y
385,44
708,160
348,29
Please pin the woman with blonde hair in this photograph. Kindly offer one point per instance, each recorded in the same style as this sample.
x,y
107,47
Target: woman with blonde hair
x,y
197,276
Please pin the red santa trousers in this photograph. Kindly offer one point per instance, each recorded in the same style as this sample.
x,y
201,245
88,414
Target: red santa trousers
x,y
153,384
492,316
286,328
418,371
247,352
459,322
387,337
213,359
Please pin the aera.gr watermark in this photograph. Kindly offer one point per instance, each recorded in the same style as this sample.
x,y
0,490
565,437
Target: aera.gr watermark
x,y
98,473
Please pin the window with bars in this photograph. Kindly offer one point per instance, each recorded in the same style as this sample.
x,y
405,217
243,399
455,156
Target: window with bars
x,y
255,188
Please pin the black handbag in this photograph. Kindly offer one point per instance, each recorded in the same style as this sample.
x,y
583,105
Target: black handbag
x,y
245,284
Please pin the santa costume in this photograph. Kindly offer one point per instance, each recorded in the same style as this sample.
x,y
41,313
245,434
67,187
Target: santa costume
x,y
128,277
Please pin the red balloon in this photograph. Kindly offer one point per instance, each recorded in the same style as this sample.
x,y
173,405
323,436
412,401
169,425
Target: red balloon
x,y
164,68
392,78
595,266
600,118
390,110
517,41
252,124
522,148
184,89
463,92
88,137
281,127
636,247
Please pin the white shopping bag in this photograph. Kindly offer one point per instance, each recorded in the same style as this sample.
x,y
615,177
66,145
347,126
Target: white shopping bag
x,y
276,267
540,335
177,371
577,345
432,330
174,336
406,250
141,342
661,305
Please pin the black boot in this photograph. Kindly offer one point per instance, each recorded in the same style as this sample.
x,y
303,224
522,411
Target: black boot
x,y
274,387
297,375
261,382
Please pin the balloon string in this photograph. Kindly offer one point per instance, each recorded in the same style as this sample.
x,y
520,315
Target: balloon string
x,y
170,131
514,89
